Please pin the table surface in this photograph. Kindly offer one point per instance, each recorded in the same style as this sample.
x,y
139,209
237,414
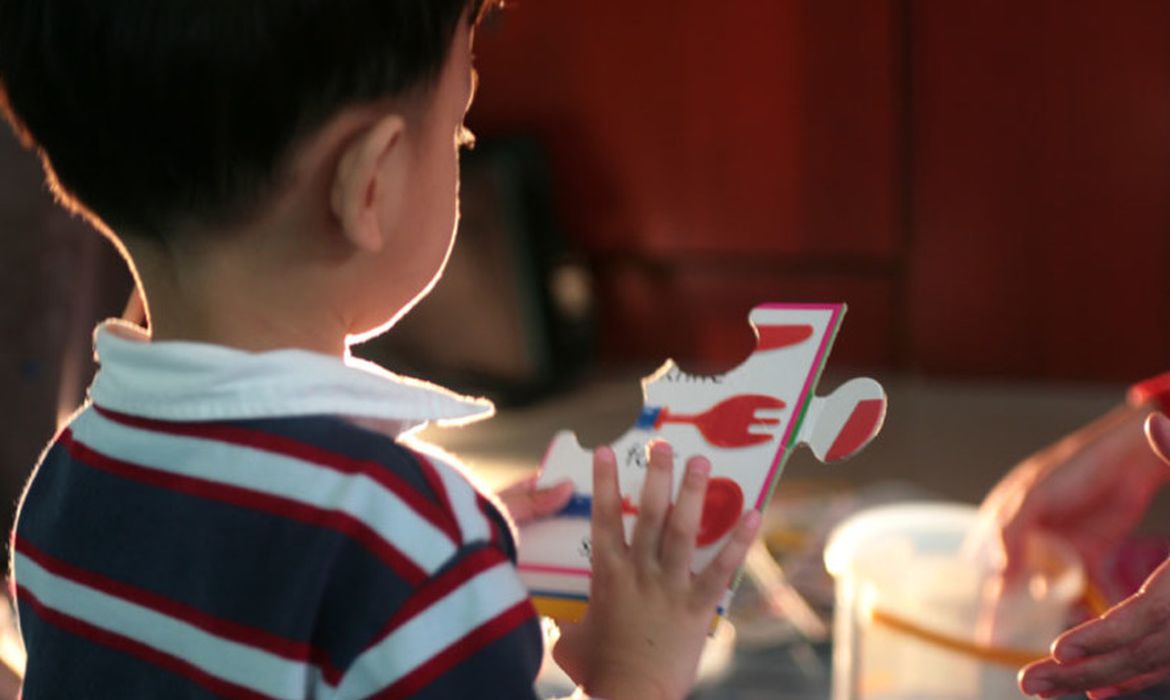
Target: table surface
x,y
947,438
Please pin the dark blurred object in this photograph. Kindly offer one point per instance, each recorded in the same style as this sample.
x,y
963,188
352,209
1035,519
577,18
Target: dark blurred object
x,y
60,277
512,317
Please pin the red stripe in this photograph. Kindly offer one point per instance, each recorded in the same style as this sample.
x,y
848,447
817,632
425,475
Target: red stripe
x,y
460,651
431,474
135,648
283,507
250,636
475,563
288,447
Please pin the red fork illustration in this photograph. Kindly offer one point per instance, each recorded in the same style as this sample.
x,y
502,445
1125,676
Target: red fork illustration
x,y
726,424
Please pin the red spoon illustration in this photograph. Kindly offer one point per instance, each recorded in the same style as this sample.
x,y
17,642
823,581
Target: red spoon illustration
x,y
725,424
721,510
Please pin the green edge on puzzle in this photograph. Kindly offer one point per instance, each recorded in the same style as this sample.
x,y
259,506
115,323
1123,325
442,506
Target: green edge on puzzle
x,y
806,401
786,450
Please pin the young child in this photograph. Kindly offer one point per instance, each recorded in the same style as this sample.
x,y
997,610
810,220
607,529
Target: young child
x,y
238,511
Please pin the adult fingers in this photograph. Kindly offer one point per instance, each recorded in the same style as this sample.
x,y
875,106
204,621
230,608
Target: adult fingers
x,y
712,581
1034,678
1158,434
678,542
655,503
1131,686
1142,614
605,522
1017,523
1108,670
1127,642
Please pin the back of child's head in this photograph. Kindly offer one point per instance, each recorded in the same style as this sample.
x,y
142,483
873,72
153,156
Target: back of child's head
x,y
156,115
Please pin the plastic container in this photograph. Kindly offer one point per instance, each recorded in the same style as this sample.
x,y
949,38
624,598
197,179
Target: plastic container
x,y
908,623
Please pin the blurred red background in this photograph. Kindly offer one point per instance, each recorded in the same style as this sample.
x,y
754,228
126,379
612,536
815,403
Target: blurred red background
x,y
986,184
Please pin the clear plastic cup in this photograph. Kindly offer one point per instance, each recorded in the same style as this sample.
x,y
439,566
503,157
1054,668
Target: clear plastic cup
x,y
911,621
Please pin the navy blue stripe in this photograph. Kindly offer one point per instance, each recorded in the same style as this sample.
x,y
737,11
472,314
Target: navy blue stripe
x,y
506,668
290,579
500,526
63,666
252,568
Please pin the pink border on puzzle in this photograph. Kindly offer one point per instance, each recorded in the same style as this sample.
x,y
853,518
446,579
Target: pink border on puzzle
x,y
547,569
805,392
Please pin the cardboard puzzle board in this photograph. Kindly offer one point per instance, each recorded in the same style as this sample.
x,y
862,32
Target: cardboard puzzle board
x,y
746,421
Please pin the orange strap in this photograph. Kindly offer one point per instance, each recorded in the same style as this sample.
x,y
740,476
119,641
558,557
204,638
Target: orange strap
x,y
996,655
1003,656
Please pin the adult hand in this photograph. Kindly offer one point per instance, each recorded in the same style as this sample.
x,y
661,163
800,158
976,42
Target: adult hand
x,y
648,615
525,502
1124,650
1092,488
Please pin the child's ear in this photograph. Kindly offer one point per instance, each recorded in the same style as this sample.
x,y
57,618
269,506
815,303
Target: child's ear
x,y
368,186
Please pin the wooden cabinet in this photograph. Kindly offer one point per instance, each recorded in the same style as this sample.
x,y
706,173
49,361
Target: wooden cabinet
x,y
987,184
1041,188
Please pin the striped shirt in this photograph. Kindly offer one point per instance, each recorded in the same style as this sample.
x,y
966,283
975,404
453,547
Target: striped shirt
x,y
227,524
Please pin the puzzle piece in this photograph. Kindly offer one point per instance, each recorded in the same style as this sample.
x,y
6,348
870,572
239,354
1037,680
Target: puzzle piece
x,y
747,422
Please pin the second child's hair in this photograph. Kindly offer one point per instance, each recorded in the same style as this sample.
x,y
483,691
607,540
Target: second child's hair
x,y
156,114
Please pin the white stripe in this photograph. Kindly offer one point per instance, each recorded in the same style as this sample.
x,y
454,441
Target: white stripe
x,y
473,524
444,623
272,474
228,660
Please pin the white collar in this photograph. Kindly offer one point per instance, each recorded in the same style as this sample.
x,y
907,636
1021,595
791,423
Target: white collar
x,y
186,381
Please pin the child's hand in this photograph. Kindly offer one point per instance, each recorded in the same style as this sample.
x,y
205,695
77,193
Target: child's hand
x,y
648,614
525,502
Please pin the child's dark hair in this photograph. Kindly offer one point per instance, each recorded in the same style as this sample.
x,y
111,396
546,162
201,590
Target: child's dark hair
x,y
152,114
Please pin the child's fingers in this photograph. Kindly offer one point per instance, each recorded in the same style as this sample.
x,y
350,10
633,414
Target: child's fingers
x,y
655,503
713,580
525,502
678,541
605,522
